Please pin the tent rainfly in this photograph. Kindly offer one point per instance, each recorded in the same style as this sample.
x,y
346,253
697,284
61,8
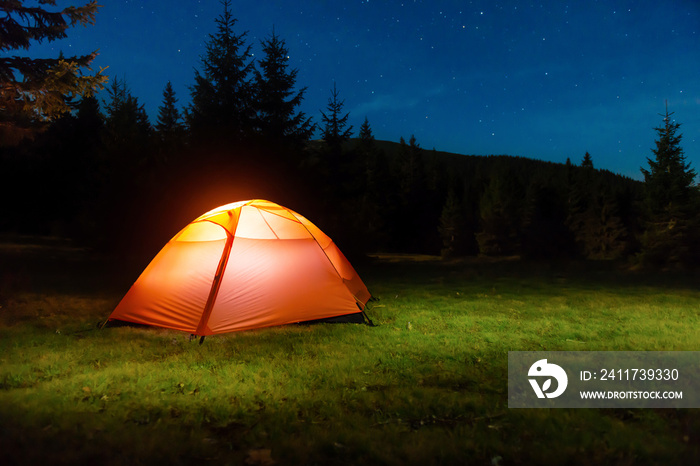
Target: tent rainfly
x,y
242,266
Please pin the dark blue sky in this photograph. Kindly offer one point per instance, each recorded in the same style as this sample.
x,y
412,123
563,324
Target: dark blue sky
x,y
547,80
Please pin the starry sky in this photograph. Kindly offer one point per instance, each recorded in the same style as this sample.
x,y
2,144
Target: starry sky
x,y
548,80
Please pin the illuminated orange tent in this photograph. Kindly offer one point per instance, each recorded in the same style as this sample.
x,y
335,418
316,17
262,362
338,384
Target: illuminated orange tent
x,y
241,266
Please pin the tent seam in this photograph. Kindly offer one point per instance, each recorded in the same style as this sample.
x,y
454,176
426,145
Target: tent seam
x,y
266,222
214,291
358,301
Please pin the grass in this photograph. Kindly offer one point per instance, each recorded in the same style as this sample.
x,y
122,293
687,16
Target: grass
x,y
432,392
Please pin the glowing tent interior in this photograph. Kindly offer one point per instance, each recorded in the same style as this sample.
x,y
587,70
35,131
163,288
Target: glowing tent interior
x,y
241,266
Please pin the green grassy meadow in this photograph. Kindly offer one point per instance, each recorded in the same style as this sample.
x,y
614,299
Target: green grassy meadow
x,y
432,392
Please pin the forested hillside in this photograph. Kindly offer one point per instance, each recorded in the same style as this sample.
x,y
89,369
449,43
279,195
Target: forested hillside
x,y
417,200
106,175
84,180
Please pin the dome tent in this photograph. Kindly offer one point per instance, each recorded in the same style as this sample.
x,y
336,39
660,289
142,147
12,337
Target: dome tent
x,y
241,266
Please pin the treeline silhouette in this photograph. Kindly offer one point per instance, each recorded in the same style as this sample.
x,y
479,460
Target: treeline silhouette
x,y
122,186
108,178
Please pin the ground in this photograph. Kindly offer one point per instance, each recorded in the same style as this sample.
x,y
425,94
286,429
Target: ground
x,y
427,385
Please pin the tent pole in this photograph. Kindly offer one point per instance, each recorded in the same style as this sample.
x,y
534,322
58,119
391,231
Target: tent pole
x,y
201,328
215,285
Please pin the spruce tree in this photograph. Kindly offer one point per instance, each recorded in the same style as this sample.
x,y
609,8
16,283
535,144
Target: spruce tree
x,y
415,209
338,170
366,136
594,218
335,132
608,235
671,200
90,118
127,129
222,97
38,90
413,183
169,118
278,120
69,150
377,202
670,179
587,161
89,125
453,226
127,166
366,152
500,210
543,232
171,131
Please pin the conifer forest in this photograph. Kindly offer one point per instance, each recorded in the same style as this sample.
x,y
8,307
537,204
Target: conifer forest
x,y
107,175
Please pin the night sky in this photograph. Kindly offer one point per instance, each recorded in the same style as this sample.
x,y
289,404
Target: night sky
x,y
546,80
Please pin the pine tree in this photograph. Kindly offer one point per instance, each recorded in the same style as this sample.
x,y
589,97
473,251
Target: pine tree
x,y
169,118
417,214
335,132
366,136
170,128
672,236
126,167
116,96
500,212
543,233
366,153
587,161
127,129
413,183
279,122
607,236
376,201
670,179
222,94
36,91
90,117
336,166
453,226
89,125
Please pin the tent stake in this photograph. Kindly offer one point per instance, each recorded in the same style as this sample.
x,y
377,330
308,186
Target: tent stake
x,y
369,321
